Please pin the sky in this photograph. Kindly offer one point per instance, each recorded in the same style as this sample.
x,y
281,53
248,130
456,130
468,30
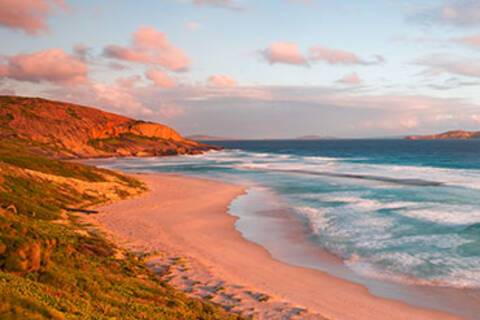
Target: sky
x,y
253,69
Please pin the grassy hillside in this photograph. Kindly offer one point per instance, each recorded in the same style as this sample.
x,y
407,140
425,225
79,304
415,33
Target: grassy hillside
x,y
52,266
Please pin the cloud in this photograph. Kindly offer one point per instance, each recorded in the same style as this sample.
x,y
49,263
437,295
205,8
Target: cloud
x,y
460,13
289,53
287,111
221,81
193,25
284,52
167,111
29,16
351,79
277,111
471,41
52,65
223,4
82,51
150,46
120,99
443,64
128,82
160,79
117,66
336,56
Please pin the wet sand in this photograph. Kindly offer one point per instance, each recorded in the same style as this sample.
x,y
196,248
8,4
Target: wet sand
x,y
183,225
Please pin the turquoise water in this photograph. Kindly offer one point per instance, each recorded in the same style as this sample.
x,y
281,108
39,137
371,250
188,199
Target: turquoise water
x,y
401,211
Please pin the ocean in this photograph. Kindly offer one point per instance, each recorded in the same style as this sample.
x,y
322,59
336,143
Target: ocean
x,y
394,212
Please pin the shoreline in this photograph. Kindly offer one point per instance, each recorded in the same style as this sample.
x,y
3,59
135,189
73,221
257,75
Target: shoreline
x,y
199,249
288,238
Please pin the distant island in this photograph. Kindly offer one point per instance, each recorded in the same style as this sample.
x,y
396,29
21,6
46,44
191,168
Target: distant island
x,y
449,135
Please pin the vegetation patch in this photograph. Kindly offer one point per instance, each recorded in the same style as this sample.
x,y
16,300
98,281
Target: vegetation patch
x,y
52,267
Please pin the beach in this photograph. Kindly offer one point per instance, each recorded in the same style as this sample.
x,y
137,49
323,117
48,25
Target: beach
x,y
182,227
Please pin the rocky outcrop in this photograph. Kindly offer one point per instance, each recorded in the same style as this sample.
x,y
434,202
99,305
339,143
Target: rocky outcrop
x,y
71,131
450,135
139,128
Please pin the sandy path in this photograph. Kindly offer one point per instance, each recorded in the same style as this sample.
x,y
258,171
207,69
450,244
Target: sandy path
x,y
184,221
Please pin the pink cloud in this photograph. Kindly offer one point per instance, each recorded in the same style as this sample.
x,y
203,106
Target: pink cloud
x,y
444,64
351,79
150,46
289,53
81,51
160,79
119,98
3,70
193,25
336,56
460,13
52,65
117,66
167,111
472,41
284,52
29,16
221,81
128,82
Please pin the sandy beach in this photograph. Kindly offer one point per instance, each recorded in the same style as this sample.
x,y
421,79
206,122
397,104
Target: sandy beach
x,y
182,225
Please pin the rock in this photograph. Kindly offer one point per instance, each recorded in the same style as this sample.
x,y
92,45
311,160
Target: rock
x,y
12,209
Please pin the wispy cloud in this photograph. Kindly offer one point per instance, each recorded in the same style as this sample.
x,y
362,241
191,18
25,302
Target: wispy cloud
x,y
289,53
160,78
460,13
223,4
193,25
221,81
448,64
350,79
284,52
337,56
471,41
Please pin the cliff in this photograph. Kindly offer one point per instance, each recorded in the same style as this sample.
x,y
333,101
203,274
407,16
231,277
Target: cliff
x,y
450,135
67,130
